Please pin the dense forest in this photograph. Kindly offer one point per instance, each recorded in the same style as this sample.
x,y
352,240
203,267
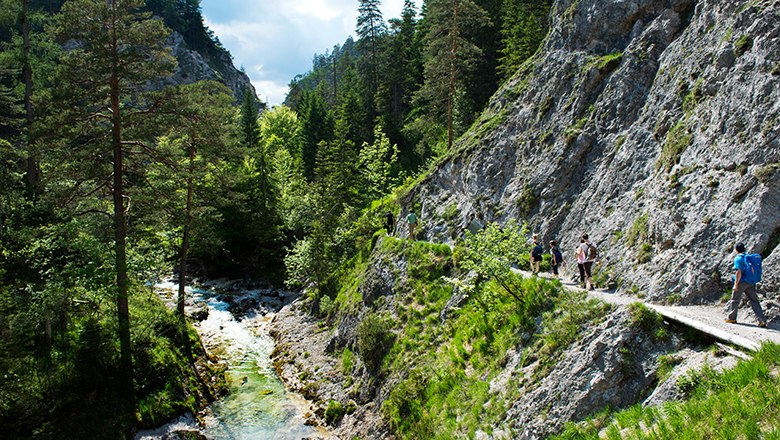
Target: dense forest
x,y
110,180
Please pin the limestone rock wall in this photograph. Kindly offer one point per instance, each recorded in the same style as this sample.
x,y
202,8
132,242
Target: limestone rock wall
x,y
652,125
194,66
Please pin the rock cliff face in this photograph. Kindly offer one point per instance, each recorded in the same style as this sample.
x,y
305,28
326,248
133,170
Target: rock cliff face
x,y
652,125
194,66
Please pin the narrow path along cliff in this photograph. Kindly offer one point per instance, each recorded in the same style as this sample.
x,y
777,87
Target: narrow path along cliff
x,y
708,319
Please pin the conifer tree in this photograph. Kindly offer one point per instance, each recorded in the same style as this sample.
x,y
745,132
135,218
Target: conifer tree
x,y
105,114
402,68
450,56
525,24
371,28
316,126
195,149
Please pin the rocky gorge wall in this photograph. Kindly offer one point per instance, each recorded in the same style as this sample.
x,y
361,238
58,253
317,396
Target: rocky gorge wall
x,y
652,125
194,66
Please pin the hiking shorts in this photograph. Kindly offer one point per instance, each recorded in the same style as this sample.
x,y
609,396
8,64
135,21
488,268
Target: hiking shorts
x,y
554,269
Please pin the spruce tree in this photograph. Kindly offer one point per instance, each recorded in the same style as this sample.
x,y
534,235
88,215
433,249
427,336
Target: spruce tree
x,y
371,28
316,126
525,25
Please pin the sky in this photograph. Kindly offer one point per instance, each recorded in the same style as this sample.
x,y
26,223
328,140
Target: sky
x,y
274,40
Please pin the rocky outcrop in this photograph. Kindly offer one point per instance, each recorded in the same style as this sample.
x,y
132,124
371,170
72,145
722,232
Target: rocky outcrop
x,y
652,125
193,66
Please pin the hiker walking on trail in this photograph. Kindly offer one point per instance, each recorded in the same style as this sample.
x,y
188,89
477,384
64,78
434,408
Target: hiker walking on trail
x,y
557,258
586,256
536,254
411,220
389,223
747,273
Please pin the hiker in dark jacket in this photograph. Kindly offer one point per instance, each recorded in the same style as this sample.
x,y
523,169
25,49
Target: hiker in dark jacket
x,y
389,223
745,283
556,259
536,254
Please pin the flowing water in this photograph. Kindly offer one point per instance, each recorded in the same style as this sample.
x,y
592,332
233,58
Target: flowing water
x,y
258,406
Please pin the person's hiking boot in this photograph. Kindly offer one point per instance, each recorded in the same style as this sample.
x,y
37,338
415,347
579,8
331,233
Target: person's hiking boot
x,y
730,321
762,324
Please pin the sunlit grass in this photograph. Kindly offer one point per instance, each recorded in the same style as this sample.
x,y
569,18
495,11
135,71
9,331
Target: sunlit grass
x,y
741,403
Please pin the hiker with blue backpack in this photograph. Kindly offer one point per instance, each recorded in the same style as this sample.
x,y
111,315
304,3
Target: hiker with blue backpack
x,y
747,274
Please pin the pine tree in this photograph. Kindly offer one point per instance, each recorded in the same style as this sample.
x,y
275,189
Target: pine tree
x,y
450,56
197,146
248,125
105,117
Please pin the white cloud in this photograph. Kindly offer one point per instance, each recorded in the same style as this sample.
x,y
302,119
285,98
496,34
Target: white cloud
x,y
282,36
271,92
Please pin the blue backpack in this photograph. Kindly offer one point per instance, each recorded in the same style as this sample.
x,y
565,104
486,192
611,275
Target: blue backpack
x,y
753,274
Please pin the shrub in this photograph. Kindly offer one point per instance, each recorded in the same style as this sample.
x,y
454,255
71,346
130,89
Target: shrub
x,y
335,412
374,338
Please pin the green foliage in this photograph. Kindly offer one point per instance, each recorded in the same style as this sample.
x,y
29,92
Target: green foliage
x,y
525,25
648,320
743,44
347,361
766,173
374,338
639,232
694,97
491,253
528,201
609,62
573,131
737,403
677,141
334,412
645,253
379,165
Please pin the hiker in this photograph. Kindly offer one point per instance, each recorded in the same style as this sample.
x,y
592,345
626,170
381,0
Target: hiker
x,y
586,256
746,276
580,257
557,258
389,223
536,254
411,220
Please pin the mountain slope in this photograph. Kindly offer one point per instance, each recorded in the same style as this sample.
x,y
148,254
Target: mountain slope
x,y
651,125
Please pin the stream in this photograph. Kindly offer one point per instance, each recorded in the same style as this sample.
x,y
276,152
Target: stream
x,y
258,405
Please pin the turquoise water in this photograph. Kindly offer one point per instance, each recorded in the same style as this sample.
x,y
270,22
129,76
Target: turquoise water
x,y
258,406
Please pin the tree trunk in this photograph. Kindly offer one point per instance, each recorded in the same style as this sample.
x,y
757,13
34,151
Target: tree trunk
x,y
120,228
185,242
33,177
453,72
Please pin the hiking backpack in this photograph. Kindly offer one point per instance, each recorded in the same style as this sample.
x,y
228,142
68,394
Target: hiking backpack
x,y
538,251
593,252
753,274
558,255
